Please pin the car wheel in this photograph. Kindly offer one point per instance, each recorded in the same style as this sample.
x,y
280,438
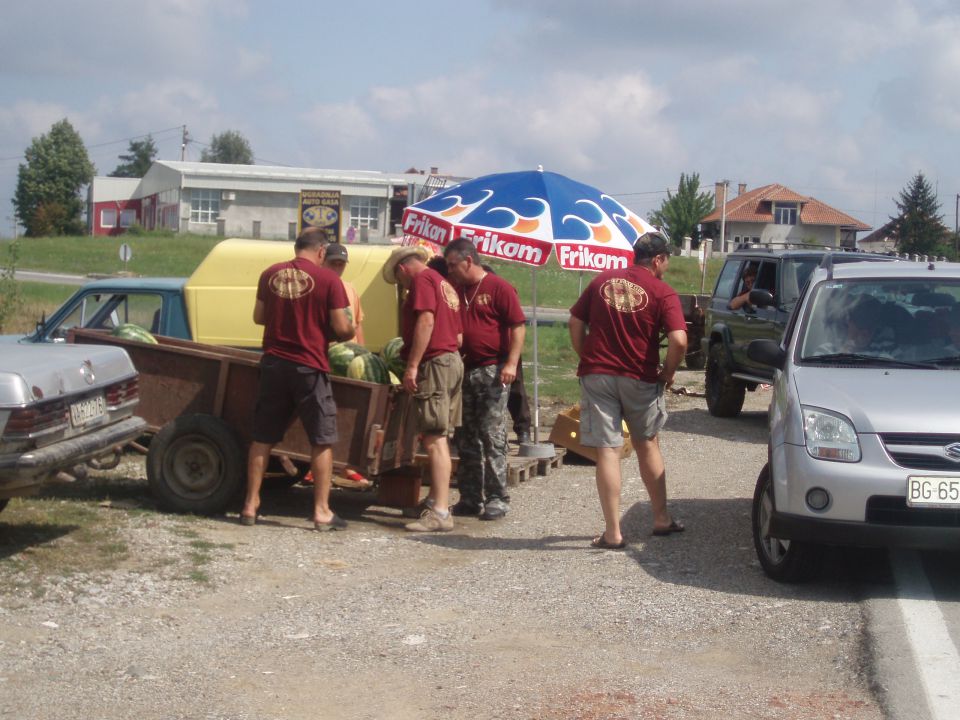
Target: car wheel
x,y
195,464
724,393
786,561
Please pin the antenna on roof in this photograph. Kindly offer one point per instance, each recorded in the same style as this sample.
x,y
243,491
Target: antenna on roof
x,y
827,262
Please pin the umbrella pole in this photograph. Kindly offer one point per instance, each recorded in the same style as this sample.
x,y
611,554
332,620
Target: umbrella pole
x,y
536,364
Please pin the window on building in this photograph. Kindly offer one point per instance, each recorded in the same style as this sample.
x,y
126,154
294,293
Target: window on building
x,y
204,205
785,214
365,212
128,218
108,218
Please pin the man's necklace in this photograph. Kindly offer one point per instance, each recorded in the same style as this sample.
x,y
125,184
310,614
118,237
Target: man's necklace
x,y
468,301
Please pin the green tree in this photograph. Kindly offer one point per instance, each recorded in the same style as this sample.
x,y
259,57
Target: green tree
x,y
48,184
680,213
137,161
228,147
919,226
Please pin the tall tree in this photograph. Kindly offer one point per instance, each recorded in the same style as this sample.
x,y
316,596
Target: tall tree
x,y
47,198
137,161
228,147
680,213
919,226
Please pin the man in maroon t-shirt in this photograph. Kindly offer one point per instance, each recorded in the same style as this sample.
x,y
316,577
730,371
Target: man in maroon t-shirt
x,y
302,308
431,331
615,329
493,333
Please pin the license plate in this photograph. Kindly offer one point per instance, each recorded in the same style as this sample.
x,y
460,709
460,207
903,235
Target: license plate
x,y
933,491
87,410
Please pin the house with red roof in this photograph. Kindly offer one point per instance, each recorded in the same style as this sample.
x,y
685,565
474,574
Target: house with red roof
x,y
776,215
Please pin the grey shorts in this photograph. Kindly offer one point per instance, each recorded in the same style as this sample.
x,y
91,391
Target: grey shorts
x,y
606,401
287,389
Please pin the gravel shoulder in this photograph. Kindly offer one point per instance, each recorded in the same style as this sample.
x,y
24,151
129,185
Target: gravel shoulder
x,y
202,618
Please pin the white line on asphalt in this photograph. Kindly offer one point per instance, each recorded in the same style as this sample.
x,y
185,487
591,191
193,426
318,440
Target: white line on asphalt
x,y
936,656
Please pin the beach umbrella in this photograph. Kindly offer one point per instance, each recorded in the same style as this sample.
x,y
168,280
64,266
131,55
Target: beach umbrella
x,y
525,217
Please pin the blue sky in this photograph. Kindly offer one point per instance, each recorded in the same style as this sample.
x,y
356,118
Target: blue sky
x,y
844,101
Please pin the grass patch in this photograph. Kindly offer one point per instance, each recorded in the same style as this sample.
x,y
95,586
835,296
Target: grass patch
x,y
153,254
39,300
557,363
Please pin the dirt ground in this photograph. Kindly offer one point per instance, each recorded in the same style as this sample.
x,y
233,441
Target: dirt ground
x,y
111,609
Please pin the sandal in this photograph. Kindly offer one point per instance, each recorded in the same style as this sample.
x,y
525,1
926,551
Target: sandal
x,y
674,527
335,523
600,543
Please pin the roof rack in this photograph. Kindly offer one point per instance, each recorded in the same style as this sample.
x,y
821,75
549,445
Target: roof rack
x,y
782,245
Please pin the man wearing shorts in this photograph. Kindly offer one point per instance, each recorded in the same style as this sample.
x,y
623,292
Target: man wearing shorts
x,y
301,306
431,331
493,334
615,329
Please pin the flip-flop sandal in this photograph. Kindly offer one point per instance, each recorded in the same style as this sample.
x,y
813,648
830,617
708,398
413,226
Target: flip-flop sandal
x,y
248,520
674,527
600,543
336,523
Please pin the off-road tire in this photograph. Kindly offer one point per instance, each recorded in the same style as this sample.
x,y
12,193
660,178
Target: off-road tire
x,y
195,465
725,394
786,561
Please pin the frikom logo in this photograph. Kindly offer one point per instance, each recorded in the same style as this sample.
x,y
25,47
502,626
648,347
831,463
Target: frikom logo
x,y
426,227
583,257
952,451
490,243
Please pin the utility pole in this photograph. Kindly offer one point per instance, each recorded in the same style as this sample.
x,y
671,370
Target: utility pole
x,y
723,218
183,144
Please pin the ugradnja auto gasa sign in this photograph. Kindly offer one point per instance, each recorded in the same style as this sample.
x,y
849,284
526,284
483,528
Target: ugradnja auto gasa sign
x,y
320,208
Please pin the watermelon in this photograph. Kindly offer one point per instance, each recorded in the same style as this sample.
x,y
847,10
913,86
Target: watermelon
x,y
368,367
394,380
130,331
391,356
340,354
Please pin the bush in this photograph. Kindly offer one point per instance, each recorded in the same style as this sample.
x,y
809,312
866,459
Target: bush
x,y
11,299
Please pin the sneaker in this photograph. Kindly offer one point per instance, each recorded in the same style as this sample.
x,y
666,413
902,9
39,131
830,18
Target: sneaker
x,y
466,509
430,521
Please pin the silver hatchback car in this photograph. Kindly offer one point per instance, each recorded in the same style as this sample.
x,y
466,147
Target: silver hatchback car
x,y
864,421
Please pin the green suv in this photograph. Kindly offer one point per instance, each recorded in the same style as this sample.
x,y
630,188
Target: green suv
x,y
773,277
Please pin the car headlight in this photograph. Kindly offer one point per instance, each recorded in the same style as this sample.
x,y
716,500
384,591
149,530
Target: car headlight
x,y
830,436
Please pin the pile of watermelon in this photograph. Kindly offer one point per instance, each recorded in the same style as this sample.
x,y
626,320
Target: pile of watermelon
x,y
132,331
352,360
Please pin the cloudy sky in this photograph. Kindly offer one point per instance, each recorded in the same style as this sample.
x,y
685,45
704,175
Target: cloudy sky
x,y
843,101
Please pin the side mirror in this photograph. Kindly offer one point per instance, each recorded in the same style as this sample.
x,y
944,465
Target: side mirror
x,y
767,352
761,298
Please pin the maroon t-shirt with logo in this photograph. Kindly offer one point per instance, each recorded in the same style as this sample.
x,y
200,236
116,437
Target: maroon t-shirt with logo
x,y
430,292
297,298
627,310
488,310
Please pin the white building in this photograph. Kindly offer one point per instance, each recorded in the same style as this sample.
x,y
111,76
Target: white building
x,y
256,201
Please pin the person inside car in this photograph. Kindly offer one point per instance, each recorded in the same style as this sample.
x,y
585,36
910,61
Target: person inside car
x,y
743,299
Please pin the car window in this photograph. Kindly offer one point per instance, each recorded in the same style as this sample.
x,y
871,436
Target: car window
x,y
911,320
105,311
767,277
727,281
794,274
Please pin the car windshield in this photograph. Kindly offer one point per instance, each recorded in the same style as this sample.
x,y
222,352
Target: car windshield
x,y
907,322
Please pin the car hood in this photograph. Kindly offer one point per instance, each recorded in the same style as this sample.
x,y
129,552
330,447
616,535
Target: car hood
x,y
31,372
881,400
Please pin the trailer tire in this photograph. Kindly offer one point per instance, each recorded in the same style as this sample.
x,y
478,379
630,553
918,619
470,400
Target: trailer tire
x,y
3,503
195,465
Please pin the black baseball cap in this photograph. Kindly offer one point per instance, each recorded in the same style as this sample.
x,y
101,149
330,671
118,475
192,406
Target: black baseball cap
x,y
651,244
336,251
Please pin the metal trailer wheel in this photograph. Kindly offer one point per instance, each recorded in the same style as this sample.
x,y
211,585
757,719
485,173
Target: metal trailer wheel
x,y
786,561
195,464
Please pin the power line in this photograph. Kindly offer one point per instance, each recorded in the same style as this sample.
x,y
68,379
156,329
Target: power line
x,y
109,142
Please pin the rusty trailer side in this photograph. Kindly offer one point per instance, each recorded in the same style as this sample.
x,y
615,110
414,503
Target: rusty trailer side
x,y
180,379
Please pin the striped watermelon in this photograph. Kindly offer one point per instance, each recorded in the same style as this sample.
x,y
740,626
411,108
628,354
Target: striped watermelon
x,y
340,354
368,367
130,331
391,356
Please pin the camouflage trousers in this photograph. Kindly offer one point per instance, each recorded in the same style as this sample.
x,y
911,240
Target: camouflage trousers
x,y
482,439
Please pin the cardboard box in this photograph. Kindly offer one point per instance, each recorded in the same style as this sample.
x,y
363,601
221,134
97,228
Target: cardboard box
x,y
566,434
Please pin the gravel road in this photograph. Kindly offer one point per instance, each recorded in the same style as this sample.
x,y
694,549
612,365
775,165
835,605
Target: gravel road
x,y
514,619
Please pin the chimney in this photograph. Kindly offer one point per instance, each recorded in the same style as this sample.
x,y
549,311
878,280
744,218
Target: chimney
x,y
718,195
741,189
434,170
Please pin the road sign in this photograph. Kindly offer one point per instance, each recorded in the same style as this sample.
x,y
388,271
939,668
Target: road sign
x,y
125,253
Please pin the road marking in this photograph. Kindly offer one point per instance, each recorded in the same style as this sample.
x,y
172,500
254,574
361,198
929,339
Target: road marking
x,y
938,662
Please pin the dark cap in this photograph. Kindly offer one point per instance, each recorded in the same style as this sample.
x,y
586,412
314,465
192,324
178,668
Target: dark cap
x,y
336,251
650,245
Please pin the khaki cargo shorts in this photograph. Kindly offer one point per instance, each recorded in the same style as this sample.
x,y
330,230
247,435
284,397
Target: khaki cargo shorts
x,y
439,398
607,400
